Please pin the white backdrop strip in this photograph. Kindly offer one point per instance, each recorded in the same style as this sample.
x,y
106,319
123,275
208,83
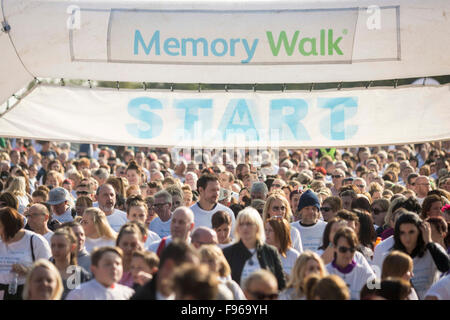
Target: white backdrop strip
x,y
224,41
377,116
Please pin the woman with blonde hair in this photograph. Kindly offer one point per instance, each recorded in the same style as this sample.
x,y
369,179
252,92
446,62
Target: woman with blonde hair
x,y
307,263
17,187
250,253
399,265
97,229
278,205
43,282
212,256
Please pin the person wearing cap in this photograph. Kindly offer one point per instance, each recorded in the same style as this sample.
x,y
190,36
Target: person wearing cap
x,y
224,197
58,199
309,225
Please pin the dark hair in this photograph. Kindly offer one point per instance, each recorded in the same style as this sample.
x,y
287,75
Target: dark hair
x,y
178,251
348,234
410,204
327,231
202,182
98,253
367,234
219,218
442,227
394,289
236,208
195,281
40,193
12,222
10,200
346,215
361,203
334,202
427,203
129,227
409,217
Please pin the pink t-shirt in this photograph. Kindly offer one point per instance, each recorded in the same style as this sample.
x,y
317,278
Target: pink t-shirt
x,y
127,279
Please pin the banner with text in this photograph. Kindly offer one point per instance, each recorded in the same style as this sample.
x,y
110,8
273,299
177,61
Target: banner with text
x,y
232,119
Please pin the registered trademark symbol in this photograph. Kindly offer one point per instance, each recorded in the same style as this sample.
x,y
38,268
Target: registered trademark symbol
x,y
345,31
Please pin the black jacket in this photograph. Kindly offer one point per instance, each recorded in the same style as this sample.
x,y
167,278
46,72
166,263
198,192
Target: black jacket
x,y
147,291
268,259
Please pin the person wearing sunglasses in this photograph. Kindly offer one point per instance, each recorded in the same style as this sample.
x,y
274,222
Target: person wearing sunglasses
x,y
261,285
379,209
337,177
277,206
355,275
330,206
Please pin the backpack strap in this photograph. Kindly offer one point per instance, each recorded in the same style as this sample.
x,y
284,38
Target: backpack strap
x,y
32,249
161,246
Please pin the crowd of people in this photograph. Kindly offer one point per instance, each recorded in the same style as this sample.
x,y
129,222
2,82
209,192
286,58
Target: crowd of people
x,y
117,223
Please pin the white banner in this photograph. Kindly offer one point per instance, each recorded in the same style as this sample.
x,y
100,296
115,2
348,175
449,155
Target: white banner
x,y
232,119
223,41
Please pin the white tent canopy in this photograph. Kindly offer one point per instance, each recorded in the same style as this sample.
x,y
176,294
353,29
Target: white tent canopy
x,y
215,41
219,41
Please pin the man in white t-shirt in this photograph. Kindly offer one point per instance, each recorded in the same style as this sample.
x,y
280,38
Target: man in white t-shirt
x,y
310,227
209,189
58,199
163,208
106,197
37,218
422,188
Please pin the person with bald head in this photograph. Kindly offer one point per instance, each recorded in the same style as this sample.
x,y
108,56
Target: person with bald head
x,y
181,226
106,197
37,219
203,235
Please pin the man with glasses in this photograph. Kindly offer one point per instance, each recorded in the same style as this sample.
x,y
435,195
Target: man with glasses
x,y
163,208
422,188
84,189
277,184
37,219
337,178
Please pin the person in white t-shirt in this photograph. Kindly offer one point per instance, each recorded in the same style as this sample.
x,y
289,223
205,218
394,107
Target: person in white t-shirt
x,y
310,227
97,230
355,275
278,235
209,189
106,197
137,211
181,227
37,219
107,270
162,206
18,249
440,290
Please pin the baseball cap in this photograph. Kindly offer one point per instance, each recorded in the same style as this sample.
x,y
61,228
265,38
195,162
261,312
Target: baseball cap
x,y
57,196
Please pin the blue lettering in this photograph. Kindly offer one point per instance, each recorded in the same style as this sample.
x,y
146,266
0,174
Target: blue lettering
x,y
150,124
171,43
139,40
191,107
291,120
250,51
238,119
194,42
341,109
224,49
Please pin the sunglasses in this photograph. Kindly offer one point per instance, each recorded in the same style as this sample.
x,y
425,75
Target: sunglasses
x,y
83,193
336,176
276,185
160,205
345,249
263,296
325,209
360,186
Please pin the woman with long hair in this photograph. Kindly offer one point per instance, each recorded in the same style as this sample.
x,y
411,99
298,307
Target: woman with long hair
x,y
64,246
17,187
278,206
413,237
278,234
307,263
97,229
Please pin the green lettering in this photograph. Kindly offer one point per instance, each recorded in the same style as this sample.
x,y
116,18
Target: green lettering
x,y
282,39
312,51
333,45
